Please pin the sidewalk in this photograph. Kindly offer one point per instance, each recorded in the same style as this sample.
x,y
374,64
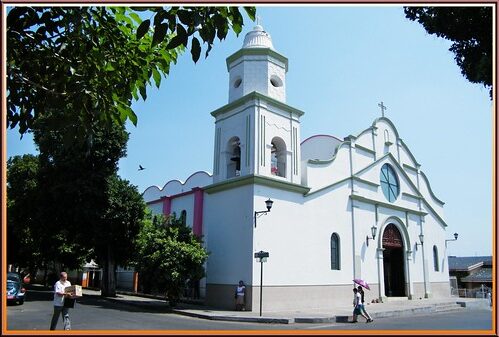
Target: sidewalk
x,y
391,308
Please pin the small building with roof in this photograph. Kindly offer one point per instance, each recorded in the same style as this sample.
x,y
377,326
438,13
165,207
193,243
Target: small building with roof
x,y
356,207
471,272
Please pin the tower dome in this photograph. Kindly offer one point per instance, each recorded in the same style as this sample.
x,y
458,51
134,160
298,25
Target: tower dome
x,y
258,38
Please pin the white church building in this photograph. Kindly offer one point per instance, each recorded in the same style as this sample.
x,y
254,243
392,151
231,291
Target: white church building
x,y
358,207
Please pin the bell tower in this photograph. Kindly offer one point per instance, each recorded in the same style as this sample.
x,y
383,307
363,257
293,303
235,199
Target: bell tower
x,y
257,133
257,67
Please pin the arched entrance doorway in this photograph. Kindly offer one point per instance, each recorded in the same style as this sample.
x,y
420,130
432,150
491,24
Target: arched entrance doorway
x,y
393,262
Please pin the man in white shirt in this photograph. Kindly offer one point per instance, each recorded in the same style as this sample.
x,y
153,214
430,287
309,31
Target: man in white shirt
x,y
59,295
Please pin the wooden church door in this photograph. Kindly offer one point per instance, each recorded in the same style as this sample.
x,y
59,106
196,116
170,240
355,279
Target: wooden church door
x,y
393,262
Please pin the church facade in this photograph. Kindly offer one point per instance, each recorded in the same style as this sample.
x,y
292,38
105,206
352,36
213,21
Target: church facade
x,y
353,208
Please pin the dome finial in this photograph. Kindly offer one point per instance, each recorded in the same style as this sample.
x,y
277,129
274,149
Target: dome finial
x,y
258,38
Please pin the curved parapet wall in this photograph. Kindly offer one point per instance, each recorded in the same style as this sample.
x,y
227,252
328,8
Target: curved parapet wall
x,y
319,147
173,187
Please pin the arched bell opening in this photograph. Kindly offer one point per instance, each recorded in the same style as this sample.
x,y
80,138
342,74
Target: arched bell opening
x,y
234,158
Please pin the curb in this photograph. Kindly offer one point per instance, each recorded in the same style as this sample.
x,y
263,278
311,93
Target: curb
x,y
235,318
155,307
163,307
316,319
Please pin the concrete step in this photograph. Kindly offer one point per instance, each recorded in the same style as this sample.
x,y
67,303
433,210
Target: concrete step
x,y
447,307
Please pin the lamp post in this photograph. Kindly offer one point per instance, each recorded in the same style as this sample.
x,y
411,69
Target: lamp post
x,y
373,233
421,239
262,256
455,239
268,203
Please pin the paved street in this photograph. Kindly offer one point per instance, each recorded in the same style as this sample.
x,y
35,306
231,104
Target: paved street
x,y
94,313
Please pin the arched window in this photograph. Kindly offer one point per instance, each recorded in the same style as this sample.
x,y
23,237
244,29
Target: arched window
x,y
387,138
183,217
233,158
335,252
278,157
435,258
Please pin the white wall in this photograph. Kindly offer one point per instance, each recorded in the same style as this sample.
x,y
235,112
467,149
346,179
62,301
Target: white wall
x,y
228,223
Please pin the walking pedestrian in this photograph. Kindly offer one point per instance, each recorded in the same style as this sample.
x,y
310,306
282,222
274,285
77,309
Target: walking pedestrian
x,y
362,305
59,296
357,304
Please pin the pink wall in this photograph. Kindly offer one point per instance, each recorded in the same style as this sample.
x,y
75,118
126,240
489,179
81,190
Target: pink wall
x,y
197,226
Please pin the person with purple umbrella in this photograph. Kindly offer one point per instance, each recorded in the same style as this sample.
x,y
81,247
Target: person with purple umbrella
x,y
357,304
362,305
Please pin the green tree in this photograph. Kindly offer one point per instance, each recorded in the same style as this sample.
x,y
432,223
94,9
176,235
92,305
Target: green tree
x,y
23,246
122,222
97,60
168,254
73,181
470,30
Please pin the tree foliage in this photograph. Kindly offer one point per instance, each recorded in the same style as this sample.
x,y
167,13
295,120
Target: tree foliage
x,y
98,60
168,254
470,30
73,182
115,241
23,246
65,206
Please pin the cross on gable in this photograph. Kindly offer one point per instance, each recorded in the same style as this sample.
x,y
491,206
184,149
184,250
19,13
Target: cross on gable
x,y
383,108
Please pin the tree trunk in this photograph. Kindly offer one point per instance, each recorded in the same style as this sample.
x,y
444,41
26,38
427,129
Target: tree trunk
x,y
108,287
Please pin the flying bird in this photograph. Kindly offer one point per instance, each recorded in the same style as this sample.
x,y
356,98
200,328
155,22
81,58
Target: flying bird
x,y
141,168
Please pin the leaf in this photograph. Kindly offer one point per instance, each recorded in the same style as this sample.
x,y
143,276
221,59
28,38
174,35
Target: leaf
x,y
157,77
174,42
109,67
210,45
182,34
237,20
237,28
143,92
136,18
251,11
185,17
143,28
132,116
195,49
222,26
159,34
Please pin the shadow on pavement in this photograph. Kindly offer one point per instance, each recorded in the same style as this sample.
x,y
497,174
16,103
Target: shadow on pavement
x,y
124,305
38,293
42,293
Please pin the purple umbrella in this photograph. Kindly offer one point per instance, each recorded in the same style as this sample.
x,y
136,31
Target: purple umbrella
x,y
362,283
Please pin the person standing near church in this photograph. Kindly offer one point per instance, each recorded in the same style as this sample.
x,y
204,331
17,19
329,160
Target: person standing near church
x,y
59,296
240,296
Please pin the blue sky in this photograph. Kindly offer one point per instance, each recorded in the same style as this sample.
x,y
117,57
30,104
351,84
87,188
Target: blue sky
x,y
343,60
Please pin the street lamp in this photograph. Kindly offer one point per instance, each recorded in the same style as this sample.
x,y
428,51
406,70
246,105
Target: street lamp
x,y
268,203
373,233
262,256
421,239
455,238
